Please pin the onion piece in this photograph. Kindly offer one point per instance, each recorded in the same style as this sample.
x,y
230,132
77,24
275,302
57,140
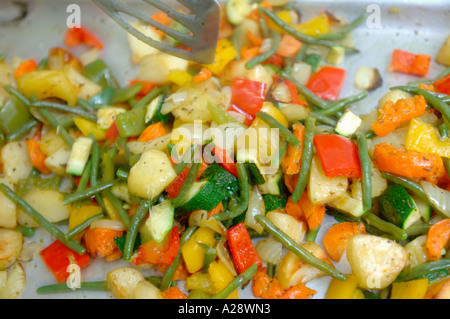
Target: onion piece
x,y
108,224
255,207
199,218
269,250
438,197
224,256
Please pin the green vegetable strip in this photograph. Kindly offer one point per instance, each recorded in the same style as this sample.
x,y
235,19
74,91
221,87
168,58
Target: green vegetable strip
x,y
89,192
303,37
337,106
343,32
323,118
236,37
17,94
65,108
237,282
384,226
190,180
117,204
415,90
22,130
284,132
148,98
417,229
242,205
444,134
85,104
58,288
423,270
408,184
26,231
312,234
366,172
170,271
124,94
55,124
122,174
220,116
262,23
276,38
307,154
307,93
107,165
83,226
42,221
436,103
136,221
301,252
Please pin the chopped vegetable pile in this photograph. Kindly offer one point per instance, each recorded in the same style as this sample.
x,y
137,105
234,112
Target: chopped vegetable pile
x,y
221,175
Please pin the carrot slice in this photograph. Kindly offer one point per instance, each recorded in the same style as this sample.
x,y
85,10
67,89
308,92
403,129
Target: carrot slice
x,y
336,239
292,161
438,237
152,131
173,293
289,46
314,214
25,67
37,157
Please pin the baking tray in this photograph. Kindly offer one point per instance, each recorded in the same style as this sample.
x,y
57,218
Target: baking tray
x,y
416,26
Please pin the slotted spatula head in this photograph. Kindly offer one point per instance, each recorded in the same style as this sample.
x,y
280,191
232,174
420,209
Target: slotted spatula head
x,y
203,23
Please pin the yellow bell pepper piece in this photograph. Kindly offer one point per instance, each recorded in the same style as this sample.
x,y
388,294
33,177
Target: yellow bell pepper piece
x,y
179,77
315,26
414,289
425,138
221,277
46,84
112,213
225,52
192,252
342,289
86,127
81,214
358,294
284,15
200,281
270,109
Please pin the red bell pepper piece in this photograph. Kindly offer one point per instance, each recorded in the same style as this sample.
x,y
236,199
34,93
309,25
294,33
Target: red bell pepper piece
x,y
327,82
174,188
409,63
275,60
248,95
225,160
112,133
78,36
443,84
57,257
241,247
292,90
157,254
338,155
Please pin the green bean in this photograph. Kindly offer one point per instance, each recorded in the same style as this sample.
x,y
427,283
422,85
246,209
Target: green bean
x,y
136,221
301,53
307,154
312,234
84,179
170,271
444,134
65,108
415,90
26,231
370,134
408,184
276,38
423,270
262,23
430,81
366,172
85,105
301,252
242,204
271,270
42,221
385,227
307,93
237,282
417,229
107,164
236,37
22,130
83,226
55,124
124,94
148,98
190,179
343,32
117,205
325,119
303,37
337,106
122,173
17,94
58,288
86,193
210,254
284,132
436,103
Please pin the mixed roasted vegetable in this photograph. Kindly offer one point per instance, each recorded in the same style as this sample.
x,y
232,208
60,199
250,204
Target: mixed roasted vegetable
x,y
221,175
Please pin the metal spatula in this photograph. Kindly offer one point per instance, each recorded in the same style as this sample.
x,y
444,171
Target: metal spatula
x,y
203,22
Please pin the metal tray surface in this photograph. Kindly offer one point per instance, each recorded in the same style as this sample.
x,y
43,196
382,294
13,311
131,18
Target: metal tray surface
x,y
417,26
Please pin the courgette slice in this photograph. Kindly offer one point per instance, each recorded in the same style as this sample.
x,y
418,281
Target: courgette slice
x,y
348,124
273,202
398,207
423,207
347,204
79,156
215,185
250,159
160,220
237,10
153,113
274,184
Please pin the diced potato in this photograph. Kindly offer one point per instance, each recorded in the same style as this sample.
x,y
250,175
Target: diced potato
x,y
393,96
294,228
47,84
58,58
443,56
151,174
368,78
139,49
10,247
417,253
195,106
48,203
145,290
261,74
123,282
16,161
51,142
8,215
374,260
6,74
56,162
159,143
348,204
15,284
323,189
379,184
302,71
293,270
107,115
234,69
156,67
294,112
85,87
